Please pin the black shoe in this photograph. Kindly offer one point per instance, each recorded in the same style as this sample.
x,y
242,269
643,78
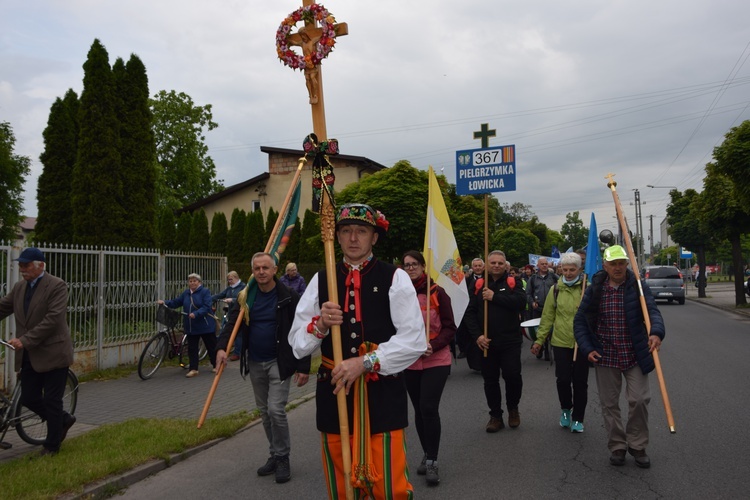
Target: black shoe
x,y
68,421
47,451
422,469
514,418
495,424
433,479
283,473
461,355
641,459
617,457
269,468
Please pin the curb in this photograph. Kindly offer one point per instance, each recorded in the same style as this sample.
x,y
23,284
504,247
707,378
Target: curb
x,y
107,487
742,311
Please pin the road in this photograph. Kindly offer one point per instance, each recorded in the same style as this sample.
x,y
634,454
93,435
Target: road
x,y
704,358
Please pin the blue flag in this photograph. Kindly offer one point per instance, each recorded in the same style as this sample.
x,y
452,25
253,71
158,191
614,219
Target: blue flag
x,y
555,252
593,256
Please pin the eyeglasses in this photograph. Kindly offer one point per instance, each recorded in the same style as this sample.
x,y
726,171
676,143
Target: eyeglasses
x,y
411,265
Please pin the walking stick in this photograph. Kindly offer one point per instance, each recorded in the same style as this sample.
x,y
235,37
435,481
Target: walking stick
x,y
486,331
634,264
243,310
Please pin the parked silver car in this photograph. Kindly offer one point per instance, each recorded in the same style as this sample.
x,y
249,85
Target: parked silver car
x,y
665,283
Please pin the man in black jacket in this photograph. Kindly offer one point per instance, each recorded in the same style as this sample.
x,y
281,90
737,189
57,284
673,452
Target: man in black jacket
x,y
268,357
505,300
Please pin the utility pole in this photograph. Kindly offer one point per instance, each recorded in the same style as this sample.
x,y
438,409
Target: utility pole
x,y
639,227
651,252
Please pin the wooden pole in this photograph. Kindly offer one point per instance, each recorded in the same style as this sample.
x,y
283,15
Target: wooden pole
x,y
575,344
486,331
269,244
646,319
427,318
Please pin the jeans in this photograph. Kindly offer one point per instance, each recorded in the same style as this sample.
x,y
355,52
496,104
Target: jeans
x,y
271,395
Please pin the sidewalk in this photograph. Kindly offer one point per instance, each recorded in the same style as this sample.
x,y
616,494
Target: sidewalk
x,y
168,394
720,295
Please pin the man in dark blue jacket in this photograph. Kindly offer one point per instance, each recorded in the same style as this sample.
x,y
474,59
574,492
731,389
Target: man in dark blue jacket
x,y
610,331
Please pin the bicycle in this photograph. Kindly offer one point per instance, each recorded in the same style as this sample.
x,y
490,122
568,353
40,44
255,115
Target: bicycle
x,y
30,426
167,343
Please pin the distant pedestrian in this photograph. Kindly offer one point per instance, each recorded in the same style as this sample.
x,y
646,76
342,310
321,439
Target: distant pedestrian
x,y
610,332
537,289
43,347
227,296
292,279
198,322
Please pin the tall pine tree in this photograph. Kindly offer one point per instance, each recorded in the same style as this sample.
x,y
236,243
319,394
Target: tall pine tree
x,y
54,223
98,215
255,240
167,229
182,238
198,241
217,242
236,236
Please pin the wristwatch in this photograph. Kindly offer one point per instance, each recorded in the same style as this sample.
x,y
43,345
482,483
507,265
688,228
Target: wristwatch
x,y
367,363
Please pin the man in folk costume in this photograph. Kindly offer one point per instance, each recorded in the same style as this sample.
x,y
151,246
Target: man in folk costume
x,y
381,336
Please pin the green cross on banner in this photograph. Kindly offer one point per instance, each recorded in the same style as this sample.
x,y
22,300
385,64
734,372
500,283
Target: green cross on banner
x,y
485,135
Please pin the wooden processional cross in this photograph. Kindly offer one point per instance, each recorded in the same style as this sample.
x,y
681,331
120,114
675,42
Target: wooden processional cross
x,y
484,134
307,37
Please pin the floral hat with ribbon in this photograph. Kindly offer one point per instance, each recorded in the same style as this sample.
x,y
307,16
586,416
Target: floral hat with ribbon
x,y
365,215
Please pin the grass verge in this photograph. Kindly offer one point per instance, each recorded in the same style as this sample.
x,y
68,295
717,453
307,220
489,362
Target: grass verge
x,y
109,450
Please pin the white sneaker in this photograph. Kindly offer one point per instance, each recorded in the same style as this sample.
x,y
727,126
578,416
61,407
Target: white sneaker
x,y
192,373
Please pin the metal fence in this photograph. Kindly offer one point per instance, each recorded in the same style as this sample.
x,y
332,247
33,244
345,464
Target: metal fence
x,y
112,294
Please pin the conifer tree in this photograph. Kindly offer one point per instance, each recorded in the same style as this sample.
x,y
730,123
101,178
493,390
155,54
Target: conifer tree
x,y
217,242
254,235
311,246
182,238
236,236
54,223
270,223
167,229
137,153
198,241
97,188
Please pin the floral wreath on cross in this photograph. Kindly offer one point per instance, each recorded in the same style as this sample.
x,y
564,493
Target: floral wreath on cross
x,y
323,47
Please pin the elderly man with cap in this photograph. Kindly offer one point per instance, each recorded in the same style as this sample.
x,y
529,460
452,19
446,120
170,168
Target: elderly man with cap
x,y
610,331
382,333
44,350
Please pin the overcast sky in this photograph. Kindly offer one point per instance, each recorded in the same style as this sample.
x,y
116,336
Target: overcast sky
x,y
642,89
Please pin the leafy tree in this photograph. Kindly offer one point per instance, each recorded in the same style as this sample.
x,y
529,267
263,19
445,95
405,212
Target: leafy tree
x,y
513,215
724,214
198,241
54,223
137,153
541,231
217,242
683,216
733,160
235,240
517,243
467,219
575,234
182,238
13,171
187,172
400,192
167,229
255,236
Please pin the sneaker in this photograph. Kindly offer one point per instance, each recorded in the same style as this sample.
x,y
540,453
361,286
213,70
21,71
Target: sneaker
x,y
283,473
269,468
495,424
576,426
192,373
422,469
214,370
641,459
432,473
565,418
514,418
617,457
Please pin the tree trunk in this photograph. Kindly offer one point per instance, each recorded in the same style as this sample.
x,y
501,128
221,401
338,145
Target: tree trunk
x,y
739,282
701,279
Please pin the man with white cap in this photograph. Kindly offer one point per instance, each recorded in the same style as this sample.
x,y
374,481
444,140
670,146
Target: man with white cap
x,y
611,333
44,350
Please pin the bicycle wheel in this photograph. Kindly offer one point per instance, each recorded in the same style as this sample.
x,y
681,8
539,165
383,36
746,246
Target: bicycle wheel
x,y
30,426
184,356
202,351
153,355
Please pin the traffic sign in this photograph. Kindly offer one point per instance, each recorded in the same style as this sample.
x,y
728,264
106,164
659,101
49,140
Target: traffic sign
x,y
486,170
685,253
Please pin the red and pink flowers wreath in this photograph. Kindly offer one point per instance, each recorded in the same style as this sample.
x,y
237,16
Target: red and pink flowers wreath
x,y
323,47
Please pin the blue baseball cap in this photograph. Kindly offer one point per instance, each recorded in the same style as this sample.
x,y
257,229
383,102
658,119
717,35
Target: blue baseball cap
x,y
30,255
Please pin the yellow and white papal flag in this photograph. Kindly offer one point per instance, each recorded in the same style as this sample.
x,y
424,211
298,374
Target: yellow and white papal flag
x,y
441,251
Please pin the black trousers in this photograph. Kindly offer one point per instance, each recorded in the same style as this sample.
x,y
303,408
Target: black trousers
x,y
425,389
505,359
209,339
43,394
572,381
